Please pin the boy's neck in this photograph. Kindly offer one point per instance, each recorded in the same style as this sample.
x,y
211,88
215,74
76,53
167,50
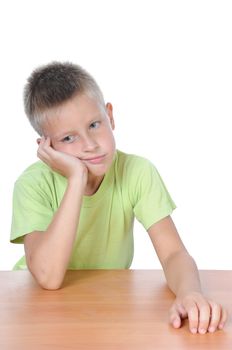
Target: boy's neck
x,y
93,185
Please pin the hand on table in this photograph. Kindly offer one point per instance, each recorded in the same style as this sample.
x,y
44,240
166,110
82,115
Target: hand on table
x,y
204,315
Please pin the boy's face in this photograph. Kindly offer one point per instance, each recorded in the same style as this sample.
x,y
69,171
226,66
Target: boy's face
x,y
81,128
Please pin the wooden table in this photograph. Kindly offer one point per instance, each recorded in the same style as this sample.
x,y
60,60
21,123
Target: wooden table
x,y
103,309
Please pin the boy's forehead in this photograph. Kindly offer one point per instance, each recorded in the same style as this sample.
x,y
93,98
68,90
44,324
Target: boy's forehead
x,y
73,113
81,106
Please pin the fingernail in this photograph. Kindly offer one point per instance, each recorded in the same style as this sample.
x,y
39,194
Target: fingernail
x,y
211,329
202,331
176,323
194,330
221,326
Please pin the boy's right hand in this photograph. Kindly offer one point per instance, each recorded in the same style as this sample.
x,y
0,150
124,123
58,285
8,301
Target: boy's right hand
x,y
63,163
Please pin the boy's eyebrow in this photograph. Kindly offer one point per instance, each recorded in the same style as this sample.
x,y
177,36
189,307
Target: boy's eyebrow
x,y
63,134
71,131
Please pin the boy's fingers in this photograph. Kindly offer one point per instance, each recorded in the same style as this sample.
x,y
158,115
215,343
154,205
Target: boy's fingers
x,y
41,154
193,315
45,145
176,322
204,317
174,317
177,313
50,151
47,141
43,151
223,318
216,311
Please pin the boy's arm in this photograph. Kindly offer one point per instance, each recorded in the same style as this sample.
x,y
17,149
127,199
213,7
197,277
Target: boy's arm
x,y
48,253
183,279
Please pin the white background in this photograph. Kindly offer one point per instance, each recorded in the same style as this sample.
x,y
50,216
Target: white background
x,y
166,66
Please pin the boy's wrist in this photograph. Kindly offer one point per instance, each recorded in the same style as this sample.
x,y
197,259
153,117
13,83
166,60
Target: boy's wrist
x,y
186,291
78,181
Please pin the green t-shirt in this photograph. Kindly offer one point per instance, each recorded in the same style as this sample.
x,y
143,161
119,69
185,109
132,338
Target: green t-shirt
x,y
132,187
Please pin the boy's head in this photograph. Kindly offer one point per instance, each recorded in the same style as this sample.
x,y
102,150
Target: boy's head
x,y
51,85
63,102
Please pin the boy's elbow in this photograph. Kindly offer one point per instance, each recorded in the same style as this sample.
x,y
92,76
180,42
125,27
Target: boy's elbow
x,y
50,283
50,286
48,278
46,282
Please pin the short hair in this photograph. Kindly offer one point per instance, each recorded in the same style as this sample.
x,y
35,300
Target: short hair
x,y
51,85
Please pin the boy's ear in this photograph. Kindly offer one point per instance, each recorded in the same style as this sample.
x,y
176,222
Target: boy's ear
x,y
109,110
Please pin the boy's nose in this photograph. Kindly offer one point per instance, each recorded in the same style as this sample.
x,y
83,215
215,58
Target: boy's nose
x,y
89,144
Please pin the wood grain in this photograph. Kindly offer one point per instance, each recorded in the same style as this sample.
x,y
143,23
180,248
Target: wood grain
x,y
103,309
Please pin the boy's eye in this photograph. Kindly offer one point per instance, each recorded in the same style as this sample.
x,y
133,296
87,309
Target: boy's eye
x,y
68,139
94,125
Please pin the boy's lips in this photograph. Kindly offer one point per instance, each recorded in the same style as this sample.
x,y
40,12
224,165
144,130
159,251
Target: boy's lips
x,y
95,160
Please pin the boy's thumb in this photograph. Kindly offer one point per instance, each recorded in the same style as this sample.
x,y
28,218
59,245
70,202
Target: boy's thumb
x,y
174,317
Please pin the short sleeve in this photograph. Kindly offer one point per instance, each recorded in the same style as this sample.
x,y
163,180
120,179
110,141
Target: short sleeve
x,y
32,209
152,200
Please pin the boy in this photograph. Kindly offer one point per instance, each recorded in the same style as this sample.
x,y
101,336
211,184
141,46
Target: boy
x,y
75,209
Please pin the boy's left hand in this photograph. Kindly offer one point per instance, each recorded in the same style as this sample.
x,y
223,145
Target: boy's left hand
x,y
204,315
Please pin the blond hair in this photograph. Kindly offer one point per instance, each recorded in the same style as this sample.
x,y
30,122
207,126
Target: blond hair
x,y
51,85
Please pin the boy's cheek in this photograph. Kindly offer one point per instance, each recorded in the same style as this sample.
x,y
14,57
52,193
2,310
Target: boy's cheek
x,y
59,147
67,149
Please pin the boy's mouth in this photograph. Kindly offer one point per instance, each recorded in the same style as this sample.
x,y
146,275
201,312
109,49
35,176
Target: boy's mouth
x,y
95,160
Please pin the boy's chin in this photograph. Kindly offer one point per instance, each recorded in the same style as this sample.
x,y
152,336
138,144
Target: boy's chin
x,y
98,171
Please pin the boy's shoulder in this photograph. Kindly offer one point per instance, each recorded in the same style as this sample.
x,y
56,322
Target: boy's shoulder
x,y
38,172
132,170
133,161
